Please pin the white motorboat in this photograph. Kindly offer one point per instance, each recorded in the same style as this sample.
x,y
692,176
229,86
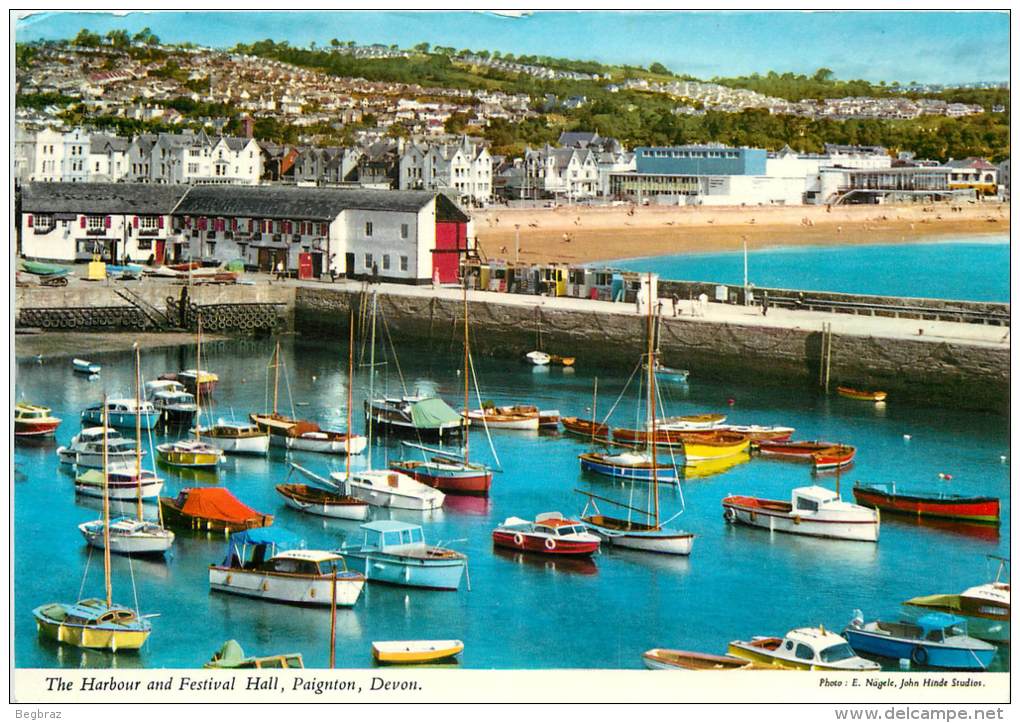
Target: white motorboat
x,y
83,366
509,417
129,536
122,413
814,511
537,358
254,567
172,400
325,498
86,449
386,488
235,437
124,484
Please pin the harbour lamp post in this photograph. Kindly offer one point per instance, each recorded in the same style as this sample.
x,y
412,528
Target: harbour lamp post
x,y
517,243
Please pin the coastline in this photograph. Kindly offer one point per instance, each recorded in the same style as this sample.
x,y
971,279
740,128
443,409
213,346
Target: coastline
x,y
583,235
69,344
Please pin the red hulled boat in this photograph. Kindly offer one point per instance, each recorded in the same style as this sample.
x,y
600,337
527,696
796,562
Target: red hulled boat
x,y
586,428
885,497
31,420
448,474
549,534
823,455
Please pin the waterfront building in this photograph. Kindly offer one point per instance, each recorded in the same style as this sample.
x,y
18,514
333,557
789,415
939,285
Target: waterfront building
x,y
116,221
571,173
1003,169
403,236
462,169
706,160
925,183
974,173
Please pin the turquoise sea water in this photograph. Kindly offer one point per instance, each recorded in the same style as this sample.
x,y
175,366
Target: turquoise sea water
x,y
971,269
522,611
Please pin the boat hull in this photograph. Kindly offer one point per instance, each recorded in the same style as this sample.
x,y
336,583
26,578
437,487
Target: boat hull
x,y
527,423
415,651
975,509
379,492
696,451
746,651
173,516
143,544
95,638
355,444
918,651
659,659
858,530
239,445
530,543
400,428
186,458
321,505
121,420
453,482
117,491
35,429
94,460
592,463
861,395
287,588
438,574
663,542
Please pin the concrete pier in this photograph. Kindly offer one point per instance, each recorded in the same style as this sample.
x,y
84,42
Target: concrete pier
x,y
939,363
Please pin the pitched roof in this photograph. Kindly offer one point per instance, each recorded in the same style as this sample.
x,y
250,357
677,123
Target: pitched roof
x,y
104,198
310,203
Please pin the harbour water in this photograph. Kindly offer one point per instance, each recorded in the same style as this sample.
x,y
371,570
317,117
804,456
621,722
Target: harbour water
x,y
970,269
522,611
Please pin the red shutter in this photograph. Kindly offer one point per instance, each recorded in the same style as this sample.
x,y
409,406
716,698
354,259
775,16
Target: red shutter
x,y
324,229
202,223
30,220
251,225
83,222
233,224
134,222
109,222
187,221
161,222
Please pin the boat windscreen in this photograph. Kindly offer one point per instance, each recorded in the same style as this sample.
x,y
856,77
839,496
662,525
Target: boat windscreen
x,y
836,653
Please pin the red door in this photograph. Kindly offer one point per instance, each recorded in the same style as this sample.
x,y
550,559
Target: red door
x,y
160,252
451,242
304,266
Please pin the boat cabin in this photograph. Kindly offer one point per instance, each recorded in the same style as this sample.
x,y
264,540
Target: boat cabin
x,y
392,536
228,430
811,499
932,628
813,645
270,549
25,412
553,524
163,386
91,613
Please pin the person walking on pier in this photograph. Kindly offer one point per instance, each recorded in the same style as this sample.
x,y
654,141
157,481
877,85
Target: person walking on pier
x,y
765,303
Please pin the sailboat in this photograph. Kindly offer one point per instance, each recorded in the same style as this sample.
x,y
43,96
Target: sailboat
x,y
95,623
651,535
329,499
302,434
129,535
446,471
385,487
187,452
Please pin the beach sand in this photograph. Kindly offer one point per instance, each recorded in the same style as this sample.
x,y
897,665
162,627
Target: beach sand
x,y
579,234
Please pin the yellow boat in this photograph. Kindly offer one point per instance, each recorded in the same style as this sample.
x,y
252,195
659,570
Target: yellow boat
x,y
187,453
710,467
93,624
715,445
410,652
802,649
861,394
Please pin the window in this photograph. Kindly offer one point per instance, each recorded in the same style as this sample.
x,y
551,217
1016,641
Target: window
x,y
368,261
94,223
804,652
806,504
148,222
192,168
368,228
836,653
43,223
403,263
386,262
404,230
144,243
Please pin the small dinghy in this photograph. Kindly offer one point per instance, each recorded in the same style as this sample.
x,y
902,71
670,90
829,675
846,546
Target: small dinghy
x,y
537,358
661,659
412,652
231,657
85,367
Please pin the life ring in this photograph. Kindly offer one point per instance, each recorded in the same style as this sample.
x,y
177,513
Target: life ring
x,y
229,579
796,519
752,515
729,514
311,592
919,655
265,586
518,539
550,543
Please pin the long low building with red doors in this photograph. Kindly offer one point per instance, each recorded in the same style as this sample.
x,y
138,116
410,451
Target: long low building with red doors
x,y
405,236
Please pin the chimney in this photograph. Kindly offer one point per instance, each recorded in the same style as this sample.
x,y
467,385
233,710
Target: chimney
x,y
248,126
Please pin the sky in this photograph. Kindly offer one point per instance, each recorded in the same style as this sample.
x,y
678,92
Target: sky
x,y
928,47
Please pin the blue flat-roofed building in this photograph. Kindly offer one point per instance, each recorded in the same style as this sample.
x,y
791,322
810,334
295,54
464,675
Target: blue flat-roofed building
x,y
701,160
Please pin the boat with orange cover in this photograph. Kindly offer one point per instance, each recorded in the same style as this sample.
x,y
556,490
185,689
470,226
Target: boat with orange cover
x,y
212,509
861,394
823,455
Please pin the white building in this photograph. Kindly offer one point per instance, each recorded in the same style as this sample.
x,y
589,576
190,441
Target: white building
x,y
462,169
569,172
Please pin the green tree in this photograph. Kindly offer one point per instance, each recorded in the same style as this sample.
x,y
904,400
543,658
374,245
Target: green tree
x,y
422,47
659,69
119,39
86,39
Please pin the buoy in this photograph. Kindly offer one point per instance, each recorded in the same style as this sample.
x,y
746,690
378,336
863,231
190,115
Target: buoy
x,y
1002,458
314,378
906,437
731,401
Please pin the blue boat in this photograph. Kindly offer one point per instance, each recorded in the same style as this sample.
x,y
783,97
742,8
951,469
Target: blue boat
x,y
121,413
395,553
628,466
936,640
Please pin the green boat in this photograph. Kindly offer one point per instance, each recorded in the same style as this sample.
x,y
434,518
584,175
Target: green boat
x,y
231,655
41,269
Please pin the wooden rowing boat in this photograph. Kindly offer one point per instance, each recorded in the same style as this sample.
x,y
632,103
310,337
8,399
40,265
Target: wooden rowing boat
x,y
885,497
860,394
412,652
662,659
586,428
823,455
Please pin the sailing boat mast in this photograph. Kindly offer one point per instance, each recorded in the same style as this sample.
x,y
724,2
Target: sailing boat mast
x,y
198,383
106,505
651,404
594,410
350,403
276,378
467,363
138,428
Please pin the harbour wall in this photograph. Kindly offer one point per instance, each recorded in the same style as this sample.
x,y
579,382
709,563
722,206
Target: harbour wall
x,y
924,371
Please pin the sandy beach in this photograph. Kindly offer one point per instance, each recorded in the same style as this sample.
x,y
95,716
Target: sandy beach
x,y
579,234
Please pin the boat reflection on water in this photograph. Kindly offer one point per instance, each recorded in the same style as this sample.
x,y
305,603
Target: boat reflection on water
x,y
467,504
832,471
974,530
268,625
46,442
672,564
189,475
129,508
711,467
576,565
816,552
67,656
